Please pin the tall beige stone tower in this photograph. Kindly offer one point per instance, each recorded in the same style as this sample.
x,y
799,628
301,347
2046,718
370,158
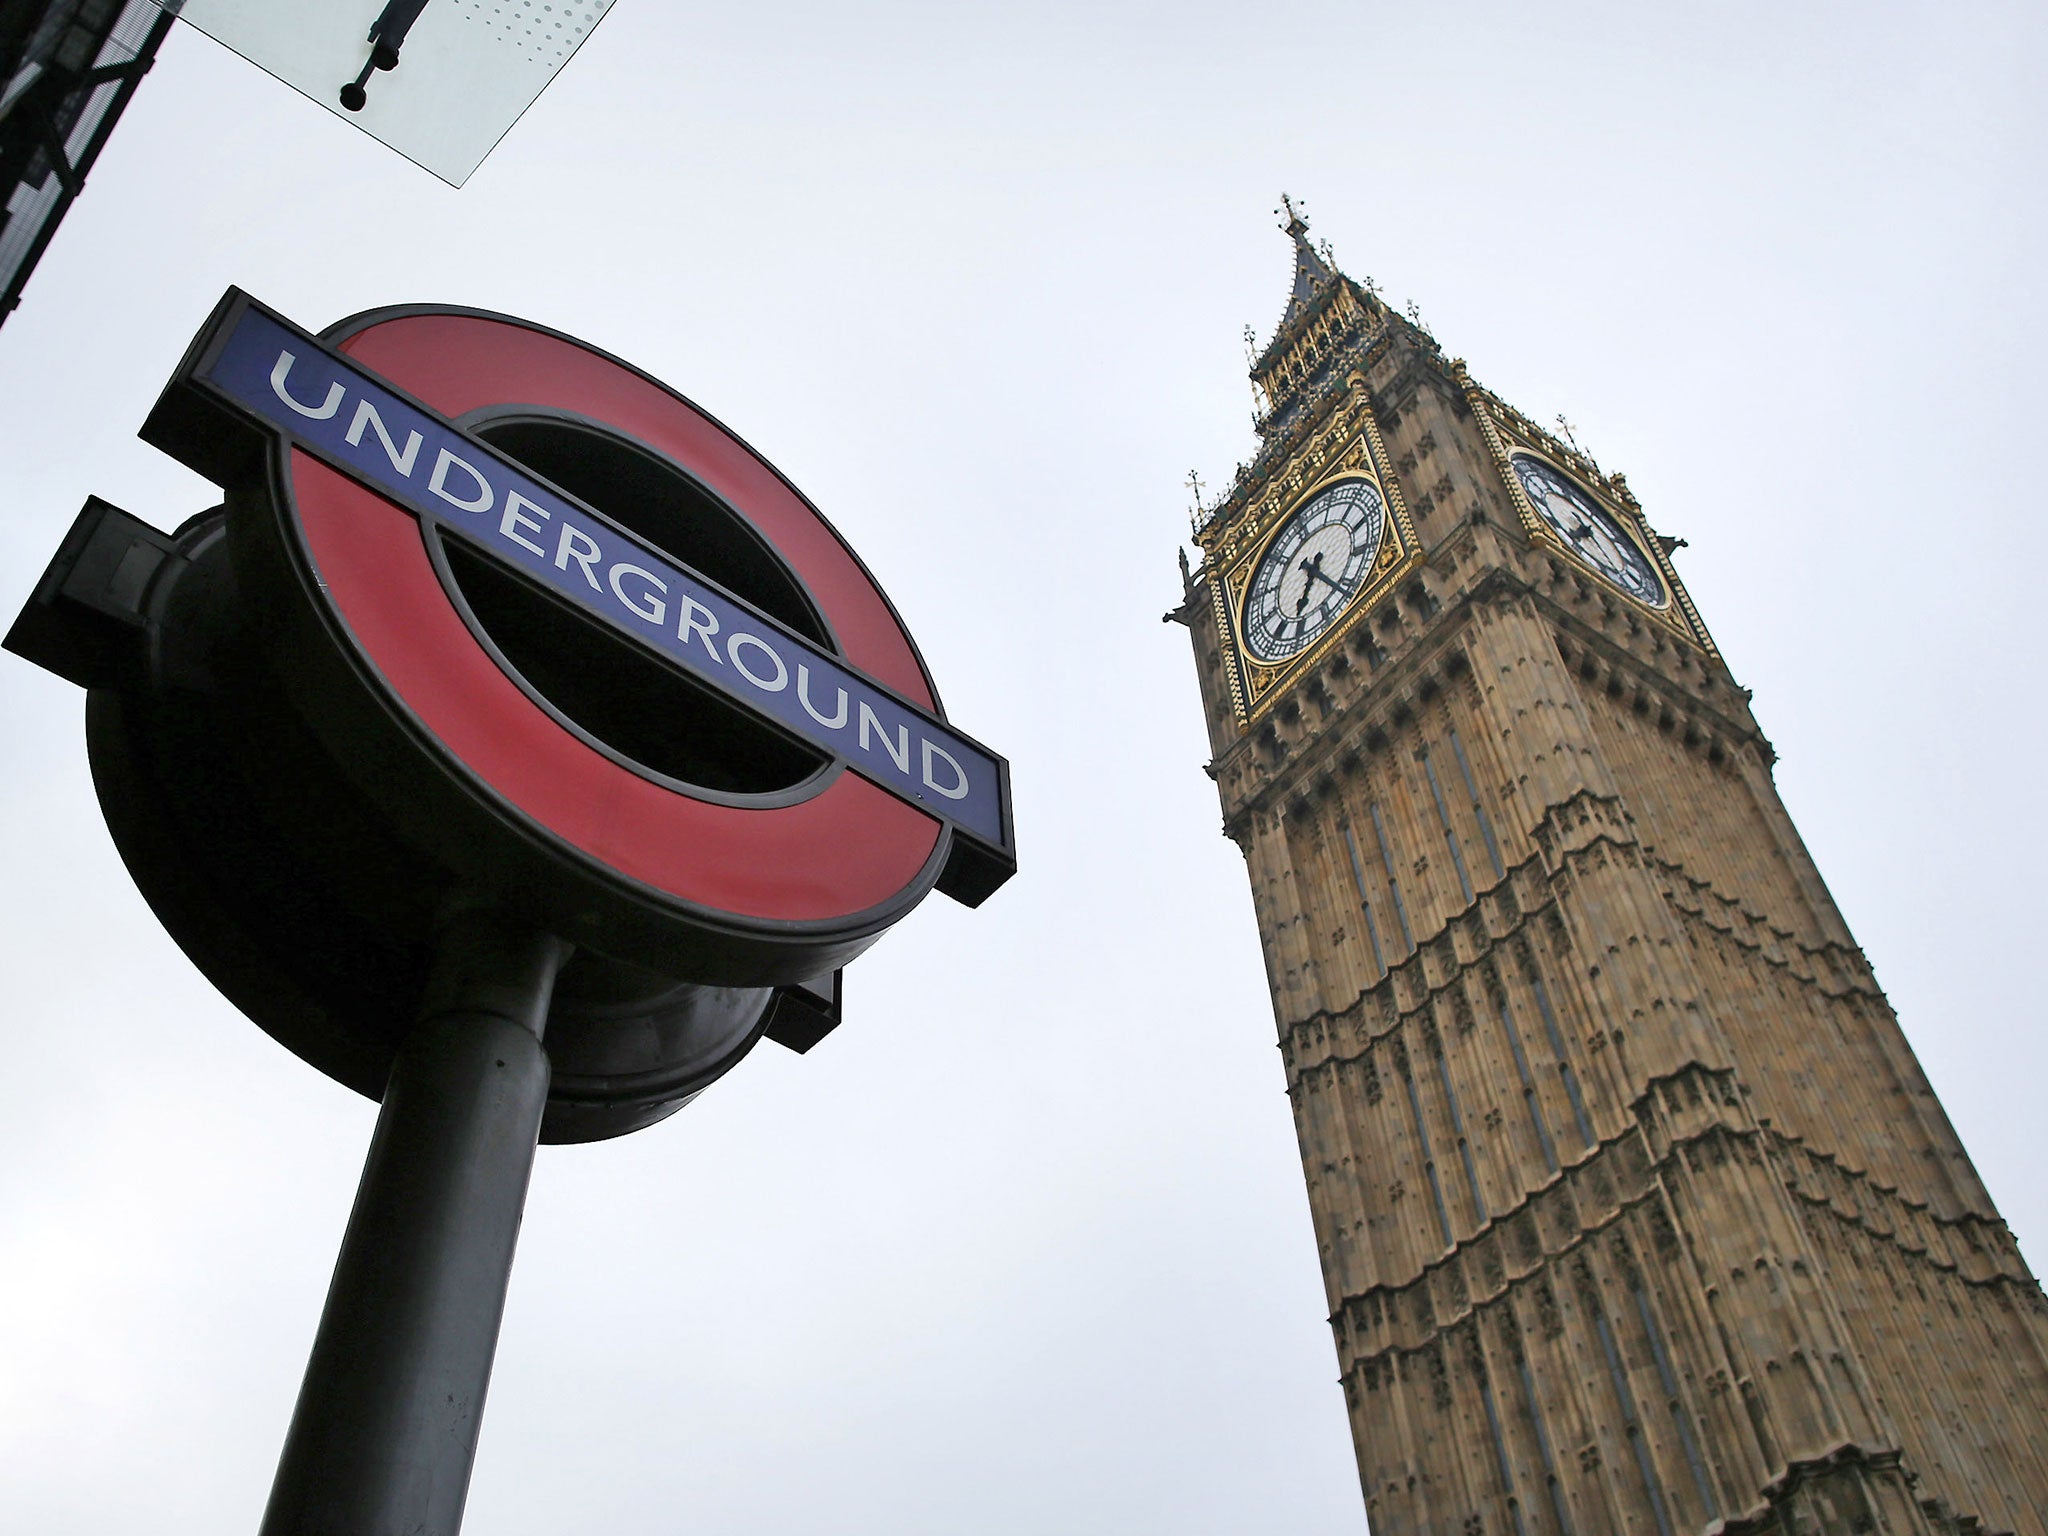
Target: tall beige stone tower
x,y
1636,1212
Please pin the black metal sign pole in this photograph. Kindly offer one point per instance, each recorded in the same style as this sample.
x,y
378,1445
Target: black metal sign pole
x,y
385,1430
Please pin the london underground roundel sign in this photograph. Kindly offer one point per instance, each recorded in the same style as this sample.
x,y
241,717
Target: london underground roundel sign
x,y
581,642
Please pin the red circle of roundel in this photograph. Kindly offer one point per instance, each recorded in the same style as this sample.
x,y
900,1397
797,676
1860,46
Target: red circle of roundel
x,y
844,851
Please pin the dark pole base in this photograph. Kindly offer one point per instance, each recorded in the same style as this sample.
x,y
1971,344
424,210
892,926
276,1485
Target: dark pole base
x,y
385,1431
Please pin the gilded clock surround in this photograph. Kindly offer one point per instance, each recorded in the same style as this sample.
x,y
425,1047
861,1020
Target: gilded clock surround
x,y
1636,1215
1508,432
1334,504
1629,548
1260,680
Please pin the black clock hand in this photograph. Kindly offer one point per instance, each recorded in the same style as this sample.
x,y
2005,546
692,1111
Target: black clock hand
x,y
1603,545
1314,569
1599,553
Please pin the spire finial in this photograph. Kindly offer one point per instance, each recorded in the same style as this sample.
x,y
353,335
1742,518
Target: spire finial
x,y
1297,218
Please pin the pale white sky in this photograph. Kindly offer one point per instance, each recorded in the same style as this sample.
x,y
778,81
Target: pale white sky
x,y
1023,1248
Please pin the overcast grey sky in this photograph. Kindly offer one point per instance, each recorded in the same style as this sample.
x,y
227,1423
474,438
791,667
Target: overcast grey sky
x,y
1022,1249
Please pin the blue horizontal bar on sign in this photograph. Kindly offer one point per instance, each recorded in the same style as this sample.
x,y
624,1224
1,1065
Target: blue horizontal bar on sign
x,y
424,463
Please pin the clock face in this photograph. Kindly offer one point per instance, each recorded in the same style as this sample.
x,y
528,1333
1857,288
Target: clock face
x,y
1313,568
1588,531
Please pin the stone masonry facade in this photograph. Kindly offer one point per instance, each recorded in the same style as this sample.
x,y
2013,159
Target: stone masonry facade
x,y
1636,1213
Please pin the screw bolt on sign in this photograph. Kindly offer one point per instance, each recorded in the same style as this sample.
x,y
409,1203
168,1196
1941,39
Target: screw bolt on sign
x,y
516,746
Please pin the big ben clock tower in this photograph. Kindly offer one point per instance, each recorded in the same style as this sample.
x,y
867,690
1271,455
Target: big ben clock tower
x,y
1636,1213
